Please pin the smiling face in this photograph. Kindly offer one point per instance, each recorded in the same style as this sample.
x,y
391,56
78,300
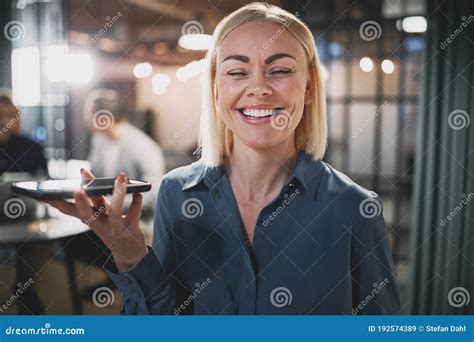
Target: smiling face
x,y
262,84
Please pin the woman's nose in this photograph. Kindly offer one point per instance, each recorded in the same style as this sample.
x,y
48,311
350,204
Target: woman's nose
x,y
258,87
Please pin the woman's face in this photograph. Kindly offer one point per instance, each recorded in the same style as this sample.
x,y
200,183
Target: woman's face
x,y
262,84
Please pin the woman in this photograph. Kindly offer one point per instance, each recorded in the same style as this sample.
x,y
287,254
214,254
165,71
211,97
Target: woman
x,y
260,225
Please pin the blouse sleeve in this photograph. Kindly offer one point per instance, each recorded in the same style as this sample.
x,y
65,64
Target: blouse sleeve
x,y
147,288
374,291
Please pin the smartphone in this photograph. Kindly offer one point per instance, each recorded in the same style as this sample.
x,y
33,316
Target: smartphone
x,y
65,188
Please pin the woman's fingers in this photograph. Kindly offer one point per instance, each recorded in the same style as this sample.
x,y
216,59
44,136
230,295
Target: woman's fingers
x,y
86,176
135,210
85,212
118,195
64,207
99,201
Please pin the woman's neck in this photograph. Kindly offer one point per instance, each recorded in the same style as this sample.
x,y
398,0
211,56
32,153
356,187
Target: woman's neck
x,y
257,173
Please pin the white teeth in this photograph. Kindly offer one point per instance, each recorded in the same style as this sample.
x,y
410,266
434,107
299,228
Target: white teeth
x,y
258,112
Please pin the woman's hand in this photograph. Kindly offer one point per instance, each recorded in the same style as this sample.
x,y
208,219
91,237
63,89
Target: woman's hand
x,y
120,233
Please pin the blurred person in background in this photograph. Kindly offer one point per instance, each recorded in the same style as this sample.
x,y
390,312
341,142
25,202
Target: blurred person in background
x,y
18,153
116,146
21,154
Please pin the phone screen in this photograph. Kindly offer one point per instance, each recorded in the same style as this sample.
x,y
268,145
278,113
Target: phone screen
x,y
101,182
68,184
65,188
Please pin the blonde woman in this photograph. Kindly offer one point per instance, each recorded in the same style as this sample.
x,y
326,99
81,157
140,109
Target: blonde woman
x,y
259,225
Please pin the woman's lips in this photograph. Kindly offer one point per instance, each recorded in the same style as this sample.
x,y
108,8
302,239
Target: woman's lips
x,y
278,117
256,116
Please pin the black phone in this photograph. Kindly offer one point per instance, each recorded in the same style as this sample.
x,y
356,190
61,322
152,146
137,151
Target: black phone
x,y
65,188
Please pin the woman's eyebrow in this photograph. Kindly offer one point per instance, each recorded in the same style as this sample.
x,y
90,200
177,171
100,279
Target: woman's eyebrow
x,y
241,58
269,60
274,57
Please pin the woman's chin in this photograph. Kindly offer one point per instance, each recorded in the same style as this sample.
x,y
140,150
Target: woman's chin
x,y
259,142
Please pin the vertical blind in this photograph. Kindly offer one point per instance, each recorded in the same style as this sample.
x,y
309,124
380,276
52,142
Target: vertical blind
x,y
442,251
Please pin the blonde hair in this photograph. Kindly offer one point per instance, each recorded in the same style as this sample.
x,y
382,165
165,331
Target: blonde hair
x,y
311,133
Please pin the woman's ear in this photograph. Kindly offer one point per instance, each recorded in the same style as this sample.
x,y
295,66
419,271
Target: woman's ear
x,y
308,95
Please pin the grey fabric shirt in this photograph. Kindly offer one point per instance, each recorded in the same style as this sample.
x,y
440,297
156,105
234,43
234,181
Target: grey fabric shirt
x,y
135,153
320,247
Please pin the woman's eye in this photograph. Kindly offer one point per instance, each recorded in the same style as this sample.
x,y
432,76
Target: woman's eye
x,y
236,73
280,72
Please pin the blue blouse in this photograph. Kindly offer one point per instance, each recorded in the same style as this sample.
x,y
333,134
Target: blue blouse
x,y
320,247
